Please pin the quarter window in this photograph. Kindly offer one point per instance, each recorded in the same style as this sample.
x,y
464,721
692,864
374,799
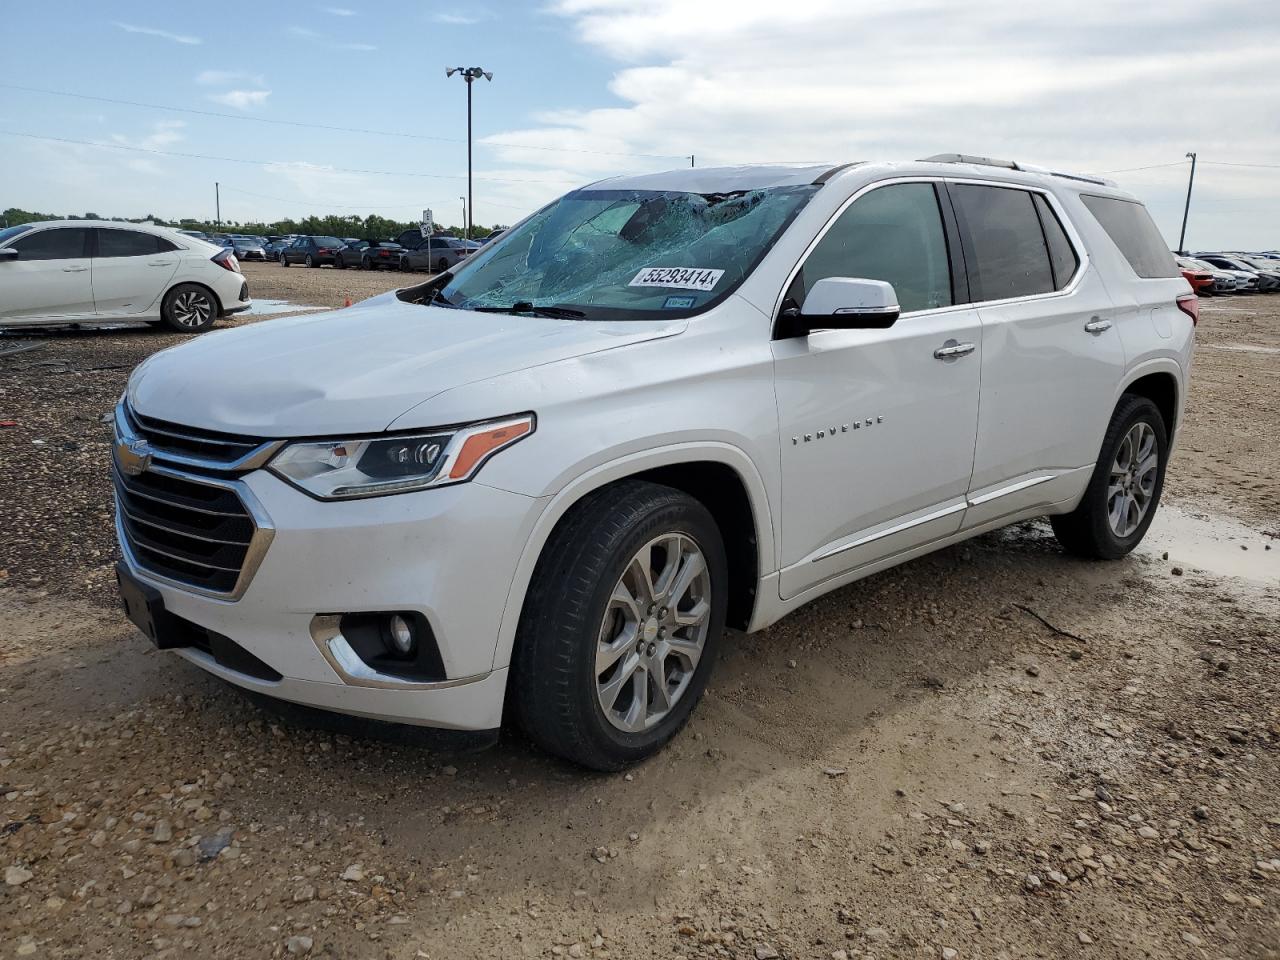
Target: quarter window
x,y
1062,256
126,243
1005,251
65,243
1131,228
893,233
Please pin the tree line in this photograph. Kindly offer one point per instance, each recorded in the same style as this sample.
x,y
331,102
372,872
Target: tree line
x,y
372,227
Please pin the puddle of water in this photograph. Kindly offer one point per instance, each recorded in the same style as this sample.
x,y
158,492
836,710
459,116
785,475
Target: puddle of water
x,y
1200,541
262,306
1242,347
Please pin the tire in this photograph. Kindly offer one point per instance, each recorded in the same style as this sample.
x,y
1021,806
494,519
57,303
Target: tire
x,y
405,265
442,266
339,263
189,308
1093,529
284,261
309,261
573,601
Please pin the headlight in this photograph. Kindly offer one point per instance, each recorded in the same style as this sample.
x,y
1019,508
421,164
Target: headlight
x,y
374,466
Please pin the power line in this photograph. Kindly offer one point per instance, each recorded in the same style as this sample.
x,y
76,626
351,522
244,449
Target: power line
x,y
301,201
331,127
1154,166
266,163
1224,163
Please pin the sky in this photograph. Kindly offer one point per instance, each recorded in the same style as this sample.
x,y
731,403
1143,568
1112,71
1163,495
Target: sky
x,y
345,107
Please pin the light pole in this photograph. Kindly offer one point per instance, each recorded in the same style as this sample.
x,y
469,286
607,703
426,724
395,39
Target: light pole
x,y
217,203
1182,238
464,215
469,74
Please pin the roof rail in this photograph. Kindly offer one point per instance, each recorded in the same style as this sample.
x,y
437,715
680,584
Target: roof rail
x,y
969,158
1014,165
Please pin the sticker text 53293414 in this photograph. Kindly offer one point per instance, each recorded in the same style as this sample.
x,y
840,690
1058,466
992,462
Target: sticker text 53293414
x,y
677,278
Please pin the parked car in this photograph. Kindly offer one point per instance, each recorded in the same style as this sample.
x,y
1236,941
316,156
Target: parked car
x,y
435,254
382,256
94,271
660,405
350,254
248,248
1224,281
1268,270
1252,281
272,248
1201,280
493,236
197,234
312,251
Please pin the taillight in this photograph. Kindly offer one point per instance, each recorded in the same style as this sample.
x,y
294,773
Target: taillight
x,y
324,250
227,261
1190,305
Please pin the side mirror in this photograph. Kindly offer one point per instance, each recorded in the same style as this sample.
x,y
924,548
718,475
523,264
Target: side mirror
x,y
844,303
7,254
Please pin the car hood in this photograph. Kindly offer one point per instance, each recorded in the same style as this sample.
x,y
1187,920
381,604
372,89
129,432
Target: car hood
x,y
358,369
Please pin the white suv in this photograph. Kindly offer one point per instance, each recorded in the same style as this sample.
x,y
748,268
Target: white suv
x,y
103,271
659,406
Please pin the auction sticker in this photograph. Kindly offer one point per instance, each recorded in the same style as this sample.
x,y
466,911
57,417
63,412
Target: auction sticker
x,y
677,278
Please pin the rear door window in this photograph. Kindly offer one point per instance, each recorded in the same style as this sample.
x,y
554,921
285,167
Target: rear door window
x,y
1131,229
126,243
894,233
62,243
1005,250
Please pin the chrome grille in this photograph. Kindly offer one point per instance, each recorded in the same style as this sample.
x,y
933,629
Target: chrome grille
x,y
185,529
186,444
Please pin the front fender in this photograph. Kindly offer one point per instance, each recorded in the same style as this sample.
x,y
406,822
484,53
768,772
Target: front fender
x,y
630,464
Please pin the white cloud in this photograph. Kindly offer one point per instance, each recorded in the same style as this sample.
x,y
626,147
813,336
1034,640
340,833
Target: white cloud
x,y
155,32
455,19
241,99
340,11
163,133
1106,88
307,33
220,78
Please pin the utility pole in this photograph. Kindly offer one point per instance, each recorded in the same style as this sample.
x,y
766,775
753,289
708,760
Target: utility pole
x,y
217,205
691,159
469,74
464,214
1182,238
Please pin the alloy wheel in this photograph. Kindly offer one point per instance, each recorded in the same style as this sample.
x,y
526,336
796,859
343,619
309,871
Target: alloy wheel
x,y
192,309
653,632
1133,479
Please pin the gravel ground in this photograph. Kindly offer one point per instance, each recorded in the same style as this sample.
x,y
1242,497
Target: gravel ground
x,y
995,751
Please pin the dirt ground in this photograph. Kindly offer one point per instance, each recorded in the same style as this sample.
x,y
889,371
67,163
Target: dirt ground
x,y
992,752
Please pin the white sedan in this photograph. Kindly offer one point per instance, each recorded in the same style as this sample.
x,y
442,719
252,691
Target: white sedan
x,y
91,271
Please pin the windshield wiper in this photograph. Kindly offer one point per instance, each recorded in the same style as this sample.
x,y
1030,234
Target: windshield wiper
x,y
524,306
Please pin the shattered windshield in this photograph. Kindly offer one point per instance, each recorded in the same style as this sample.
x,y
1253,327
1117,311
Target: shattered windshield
x,y
627,254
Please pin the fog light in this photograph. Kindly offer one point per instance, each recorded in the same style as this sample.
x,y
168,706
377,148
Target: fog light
x,y
401,633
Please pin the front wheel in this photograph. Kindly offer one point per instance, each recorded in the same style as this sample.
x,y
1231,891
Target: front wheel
x,y
620,626
442,266
1121,499
310,262
339,263
284,261
189,308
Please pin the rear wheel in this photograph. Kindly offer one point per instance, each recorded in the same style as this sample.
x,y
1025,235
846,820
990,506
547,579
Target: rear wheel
x,y
621,625
339,263
284,261
1121,499
189,308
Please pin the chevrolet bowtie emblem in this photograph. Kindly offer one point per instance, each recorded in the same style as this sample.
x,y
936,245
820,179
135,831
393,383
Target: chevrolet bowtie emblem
x,y
133,456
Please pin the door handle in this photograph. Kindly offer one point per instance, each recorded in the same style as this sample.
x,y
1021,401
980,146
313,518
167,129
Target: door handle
x,y
951,350
1097,325
74,269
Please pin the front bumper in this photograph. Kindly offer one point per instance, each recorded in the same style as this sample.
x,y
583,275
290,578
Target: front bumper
x,y
448,554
